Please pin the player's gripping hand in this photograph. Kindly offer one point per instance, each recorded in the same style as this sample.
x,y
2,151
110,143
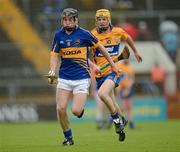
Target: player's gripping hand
x,y
97,70
52,78
116,70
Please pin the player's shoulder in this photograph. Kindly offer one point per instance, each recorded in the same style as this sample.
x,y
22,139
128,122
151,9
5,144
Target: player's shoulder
x,y
117,29
94,31
58,32
83,31
86,32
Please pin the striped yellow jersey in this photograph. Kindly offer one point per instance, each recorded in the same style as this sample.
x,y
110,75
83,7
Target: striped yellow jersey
x,y
111,41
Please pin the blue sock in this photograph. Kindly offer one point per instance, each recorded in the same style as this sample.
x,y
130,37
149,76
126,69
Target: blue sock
x,y
68,134
123,120
115,116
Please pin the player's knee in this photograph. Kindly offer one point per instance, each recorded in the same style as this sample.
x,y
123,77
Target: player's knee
x,y
102,95
76,112
60,109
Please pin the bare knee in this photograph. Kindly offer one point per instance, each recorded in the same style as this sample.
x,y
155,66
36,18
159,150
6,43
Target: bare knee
x,y
61,109
102,95
76,112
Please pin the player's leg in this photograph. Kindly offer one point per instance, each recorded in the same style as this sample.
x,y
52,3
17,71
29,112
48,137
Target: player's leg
x,y
62,97
78,103
119,109
100,109
129,112
116,104
80,93
127,105
104,93
63,94
99,103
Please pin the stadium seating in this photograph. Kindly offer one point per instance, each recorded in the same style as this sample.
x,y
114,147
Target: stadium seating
x,y
24,56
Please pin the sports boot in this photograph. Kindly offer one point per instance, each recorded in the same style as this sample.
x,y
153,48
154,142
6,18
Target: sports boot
x,y
68,142
119,127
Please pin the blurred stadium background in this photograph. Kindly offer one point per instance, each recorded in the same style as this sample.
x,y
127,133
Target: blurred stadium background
x,y
26,32
27,102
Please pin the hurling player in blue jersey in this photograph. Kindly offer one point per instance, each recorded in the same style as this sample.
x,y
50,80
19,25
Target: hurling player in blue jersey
x,y
71,44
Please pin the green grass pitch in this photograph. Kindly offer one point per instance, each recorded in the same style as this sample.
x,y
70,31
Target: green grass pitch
x,y
156,136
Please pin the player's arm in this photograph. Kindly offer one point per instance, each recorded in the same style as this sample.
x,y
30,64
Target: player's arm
x,y
131,44
94,67
52,74
103,50
54,58
53,63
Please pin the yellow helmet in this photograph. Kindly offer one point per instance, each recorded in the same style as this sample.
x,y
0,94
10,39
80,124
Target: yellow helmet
x,y
103,13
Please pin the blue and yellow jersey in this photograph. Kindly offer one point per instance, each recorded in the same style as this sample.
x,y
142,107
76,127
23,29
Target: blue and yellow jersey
x,y
111,42
73,49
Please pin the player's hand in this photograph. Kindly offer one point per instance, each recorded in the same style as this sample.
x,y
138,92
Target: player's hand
x,y
51,77
138,57
97,70
116,70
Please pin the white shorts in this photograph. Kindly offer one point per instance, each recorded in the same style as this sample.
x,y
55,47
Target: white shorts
x,y
76,86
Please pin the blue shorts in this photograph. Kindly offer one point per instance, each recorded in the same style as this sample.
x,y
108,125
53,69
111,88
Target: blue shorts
x,y
110,76
126,93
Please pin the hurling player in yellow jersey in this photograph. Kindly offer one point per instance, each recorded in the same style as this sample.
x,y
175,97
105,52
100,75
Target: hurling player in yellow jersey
x,y
125,90
71,45
111,37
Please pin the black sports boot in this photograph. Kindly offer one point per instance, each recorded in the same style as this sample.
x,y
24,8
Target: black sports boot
x,y
119,126
68,142
122,135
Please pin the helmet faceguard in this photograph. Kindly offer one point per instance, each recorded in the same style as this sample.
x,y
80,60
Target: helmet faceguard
x,y
70,12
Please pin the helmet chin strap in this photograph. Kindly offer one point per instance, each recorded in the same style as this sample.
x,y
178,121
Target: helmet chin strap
x,y
70,29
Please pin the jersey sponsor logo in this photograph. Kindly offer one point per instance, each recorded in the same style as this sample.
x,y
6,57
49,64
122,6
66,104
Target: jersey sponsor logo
x,y
113,53
110,50
73,52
